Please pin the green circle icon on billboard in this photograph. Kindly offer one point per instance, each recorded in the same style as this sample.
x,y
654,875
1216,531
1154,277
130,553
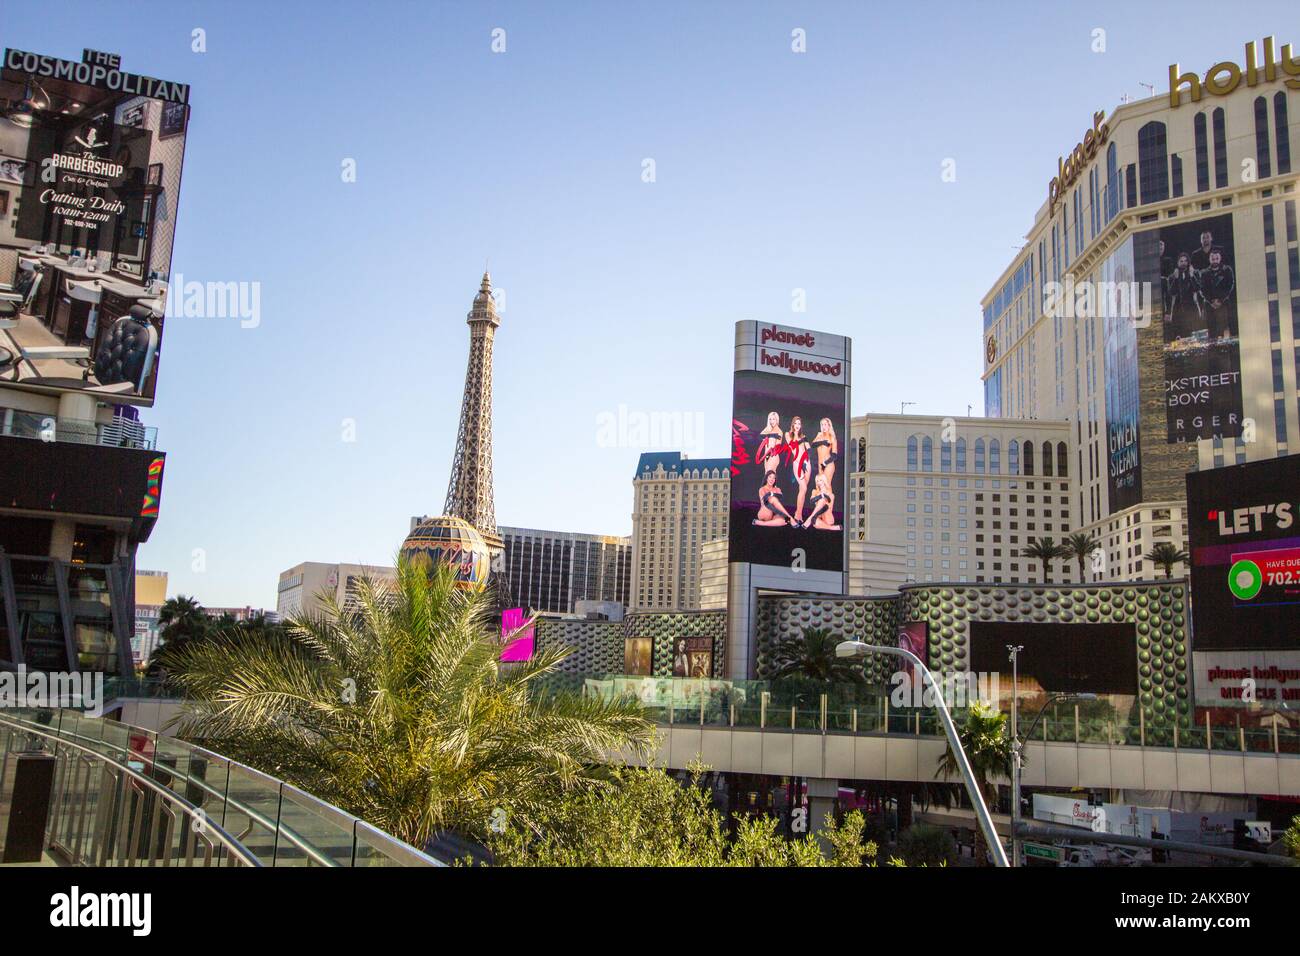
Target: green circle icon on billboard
x,y
1244,580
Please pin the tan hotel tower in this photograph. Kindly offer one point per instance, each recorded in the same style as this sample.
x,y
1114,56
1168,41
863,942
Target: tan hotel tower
x,y
1149,194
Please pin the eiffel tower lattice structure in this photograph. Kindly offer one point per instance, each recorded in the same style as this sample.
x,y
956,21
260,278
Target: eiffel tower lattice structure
x,y
469,493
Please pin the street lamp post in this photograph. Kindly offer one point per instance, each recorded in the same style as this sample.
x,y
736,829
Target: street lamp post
x,y
859,649
1017,746
1015,650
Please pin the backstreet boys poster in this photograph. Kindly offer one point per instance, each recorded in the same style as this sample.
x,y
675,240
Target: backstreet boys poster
x,y
1198,285
1245,549
1120,342
93,155
788,462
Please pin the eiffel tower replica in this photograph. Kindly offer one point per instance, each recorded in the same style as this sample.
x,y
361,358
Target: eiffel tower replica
x,y
470,491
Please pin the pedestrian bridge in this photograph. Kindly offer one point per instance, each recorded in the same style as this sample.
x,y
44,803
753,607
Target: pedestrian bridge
x,y
856,734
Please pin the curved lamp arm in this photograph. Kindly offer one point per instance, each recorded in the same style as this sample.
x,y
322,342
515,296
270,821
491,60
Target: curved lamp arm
x,y
859,649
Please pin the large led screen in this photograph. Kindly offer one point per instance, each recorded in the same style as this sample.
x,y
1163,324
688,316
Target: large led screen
x,y
1123,470
788,466
90,175
1245,547
1059,658
1196,264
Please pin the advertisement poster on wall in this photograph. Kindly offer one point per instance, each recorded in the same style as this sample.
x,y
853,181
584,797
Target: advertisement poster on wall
x,y
1196,264
693,657
92,155
1119,333
789,451
637,656
1245,550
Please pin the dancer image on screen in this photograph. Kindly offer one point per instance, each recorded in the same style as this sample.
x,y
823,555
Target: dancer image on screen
x,y
1215,284
796,446
771,512
828,450
823,507
1182,310
769,444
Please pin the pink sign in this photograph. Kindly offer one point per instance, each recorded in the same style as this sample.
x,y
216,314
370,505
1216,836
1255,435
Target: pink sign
x,y
519,646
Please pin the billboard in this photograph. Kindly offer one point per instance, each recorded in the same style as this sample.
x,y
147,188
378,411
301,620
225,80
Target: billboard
x,y
1196,264
1119,333
1245,550
90,174
789,454
1059,658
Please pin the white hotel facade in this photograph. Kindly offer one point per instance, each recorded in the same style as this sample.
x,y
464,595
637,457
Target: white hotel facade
x,y
1206,150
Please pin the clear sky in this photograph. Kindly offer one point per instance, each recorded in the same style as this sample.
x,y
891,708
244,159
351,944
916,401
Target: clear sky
x,y
774,171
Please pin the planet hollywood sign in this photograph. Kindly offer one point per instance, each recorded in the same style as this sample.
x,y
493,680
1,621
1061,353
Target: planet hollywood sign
x,y
783,360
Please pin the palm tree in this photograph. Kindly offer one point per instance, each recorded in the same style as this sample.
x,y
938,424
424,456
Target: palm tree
x,y
1045,550
987,743
1166,555
399,711
181,618
1081,546
813,656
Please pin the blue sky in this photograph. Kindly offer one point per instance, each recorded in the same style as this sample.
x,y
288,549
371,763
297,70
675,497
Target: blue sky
x,y
774,171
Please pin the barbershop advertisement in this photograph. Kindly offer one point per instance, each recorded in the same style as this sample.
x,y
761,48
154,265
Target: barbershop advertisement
x,y
90,173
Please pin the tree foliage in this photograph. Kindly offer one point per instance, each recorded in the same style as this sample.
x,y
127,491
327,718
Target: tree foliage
x,y
399,711
813,656
648,818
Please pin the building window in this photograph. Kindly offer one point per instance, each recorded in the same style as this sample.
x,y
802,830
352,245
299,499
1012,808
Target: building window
x,y
1130,185
979,455
1202,154
911,453
1153,161
1263,152
927,454
1029,458
1283,134
995,457
961,454
1112,183
1220,150
1013,457
1062,461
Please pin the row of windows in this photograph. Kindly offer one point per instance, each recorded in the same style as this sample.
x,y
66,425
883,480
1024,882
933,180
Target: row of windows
x,y
1155,177
1053,462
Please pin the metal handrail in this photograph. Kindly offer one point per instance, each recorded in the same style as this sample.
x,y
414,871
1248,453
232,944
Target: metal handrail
x,y
196,813
390,845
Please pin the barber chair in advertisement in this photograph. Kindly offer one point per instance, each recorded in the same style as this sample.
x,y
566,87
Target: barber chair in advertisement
x,y
127,354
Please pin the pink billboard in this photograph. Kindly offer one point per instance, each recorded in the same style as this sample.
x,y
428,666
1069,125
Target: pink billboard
x,y
518,638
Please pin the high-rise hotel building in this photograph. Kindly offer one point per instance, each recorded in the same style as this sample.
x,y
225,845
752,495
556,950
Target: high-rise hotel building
x,y
678,504
1155,306
552,571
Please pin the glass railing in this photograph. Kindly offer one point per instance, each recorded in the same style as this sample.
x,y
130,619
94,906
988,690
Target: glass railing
x,y
815,707
272,822
118,432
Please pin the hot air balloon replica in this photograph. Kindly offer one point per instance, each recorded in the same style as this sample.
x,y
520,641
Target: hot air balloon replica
x,y
453,542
